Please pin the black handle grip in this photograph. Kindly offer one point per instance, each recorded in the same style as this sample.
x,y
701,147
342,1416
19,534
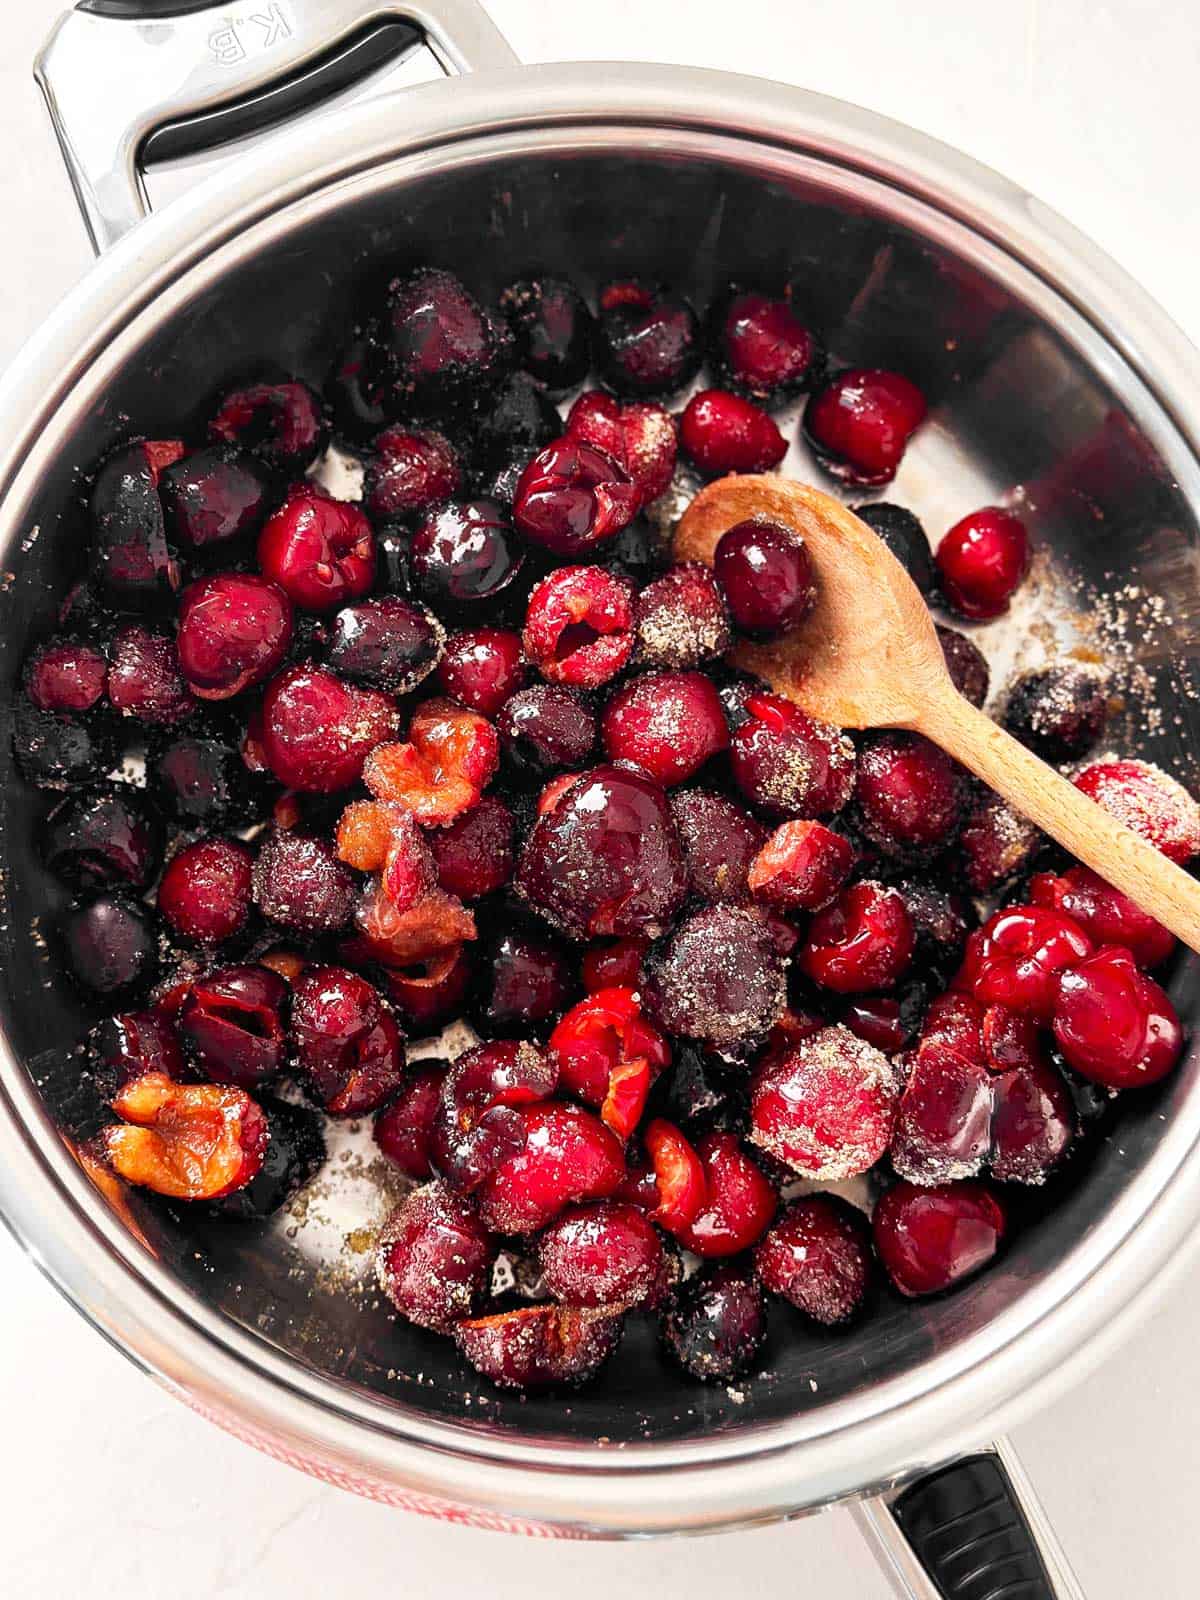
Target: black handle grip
x,y
965,1525
144,10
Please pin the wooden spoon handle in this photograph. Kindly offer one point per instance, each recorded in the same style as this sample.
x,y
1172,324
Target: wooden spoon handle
x,y
1057,807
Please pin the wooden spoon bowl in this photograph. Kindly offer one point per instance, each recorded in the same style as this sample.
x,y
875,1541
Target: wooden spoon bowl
x,y
868,656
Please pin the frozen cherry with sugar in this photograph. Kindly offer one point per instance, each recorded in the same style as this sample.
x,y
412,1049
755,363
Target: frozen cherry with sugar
x,y
606,860
788,763
476,1125
144,680
647,340
955,1019
234,630
110,945
204,893
1147,800
996,844
909,795
860,421
716,978
681,619
827,1108
55,751
572,497
463,555
545,1346
716,1324
404,1128
546,728
720,842
232,1024
386,643
475,852
281,423
1033,1123
482,668
317,729
1113,1024
801,867
434,1257
430,990
943,1123
579,626
552,331
299,883
668,723
904,536
408,471
320,551
604,1254
765,574
930,1239
722,433
214,498
436,349
760,347
348,1044
982,561
864,940
817,1256
1059,711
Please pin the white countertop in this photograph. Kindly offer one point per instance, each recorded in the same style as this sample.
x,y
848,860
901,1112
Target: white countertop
x,y
108,1488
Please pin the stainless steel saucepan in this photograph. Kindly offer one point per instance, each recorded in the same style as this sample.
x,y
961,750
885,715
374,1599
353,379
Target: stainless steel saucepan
x,y
1050,372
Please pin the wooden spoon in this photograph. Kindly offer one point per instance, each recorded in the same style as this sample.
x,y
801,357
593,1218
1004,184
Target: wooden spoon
x,y
868,657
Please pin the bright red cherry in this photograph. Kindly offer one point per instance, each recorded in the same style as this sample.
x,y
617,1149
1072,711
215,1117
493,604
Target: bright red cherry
x,y
1114,1024
860,421
320,551
929,1239
982,561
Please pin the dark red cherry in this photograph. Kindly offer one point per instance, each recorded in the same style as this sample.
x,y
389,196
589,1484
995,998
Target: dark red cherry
x,y
301,885
144,680
788,763
552,329
61,752
738,1204
720,841
930,1239
647,340
966,664
604,1254
1113,1024
108,839
404,1128
909,795
204,893
476,1124
863,941
606,860
482,669
565,1154
760,346
463,555
765,574
131,1045
955,1020
1105,914
320,551
579,626
232,1025
387,643
213,498
716,1324
234,630
1061,711
347,1042
1033,1123
668,723
437,349
722,433
904,536
110,945
860,421
546,728
800,867
408,471
540,1347
281,423
525,982
205,783
982,561
817,1256
639,435
317,730
996,844
572,497
434,1258
65,675
474,854
1014,960
129,555
943,1125
717,979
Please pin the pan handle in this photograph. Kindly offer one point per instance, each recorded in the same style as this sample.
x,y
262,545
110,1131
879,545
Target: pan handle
x,y
971,1530
115,72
